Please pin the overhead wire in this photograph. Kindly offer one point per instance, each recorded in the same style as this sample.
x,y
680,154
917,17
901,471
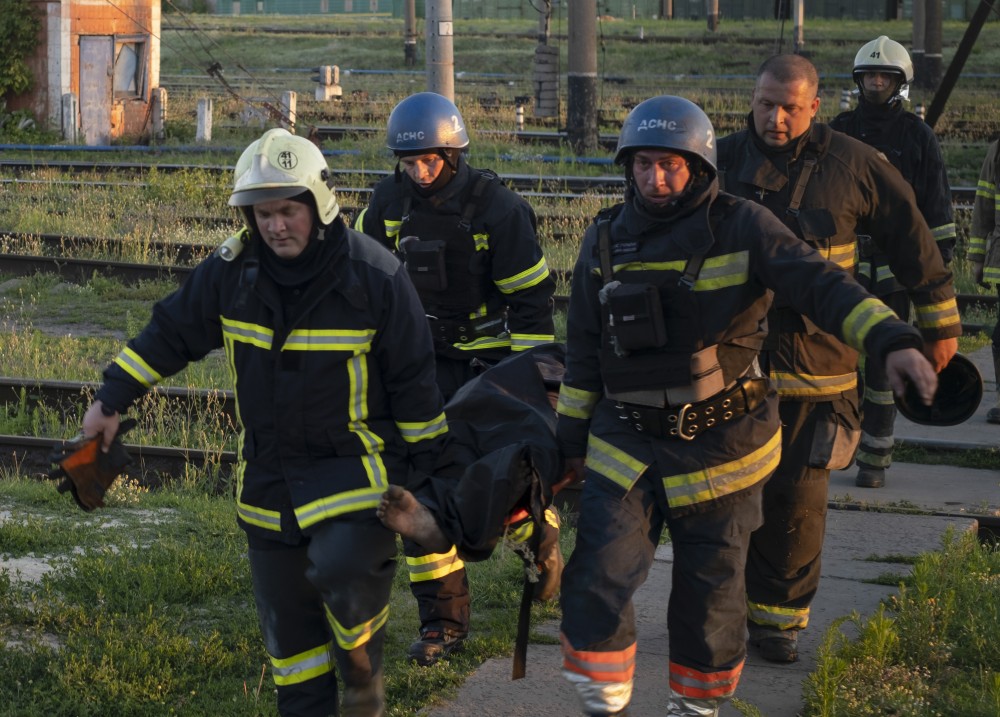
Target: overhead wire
x,y
278,109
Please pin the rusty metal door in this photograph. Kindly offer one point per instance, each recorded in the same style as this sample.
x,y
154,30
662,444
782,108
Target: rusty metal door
x,y
97,61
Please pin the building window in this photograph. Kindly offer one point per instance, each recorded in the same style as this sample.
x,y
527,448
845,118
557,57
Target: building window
x,y
130,67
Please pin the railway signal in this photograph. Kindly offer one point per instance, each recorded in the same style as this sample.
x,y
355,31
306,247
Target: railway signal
x,y
329,83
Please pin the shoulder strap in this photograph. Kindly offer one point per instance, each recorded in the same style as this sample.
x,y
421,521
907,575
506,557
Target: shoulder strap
x,y
808,165
484,180
604,247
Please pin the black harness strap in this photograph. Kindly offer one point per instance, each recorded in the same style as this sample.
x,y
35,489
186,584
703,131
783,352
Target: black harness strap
x,y
808,165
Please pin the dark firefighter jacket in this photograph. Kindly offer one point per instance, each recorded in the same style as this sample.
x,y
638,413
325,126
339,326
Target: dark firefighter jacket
x,y
852,195
747,254
912,148
333,406
502,268
984,237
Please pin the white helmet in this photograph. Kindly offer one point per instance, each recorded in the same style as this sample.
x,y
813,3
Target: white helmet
x,y
884,55
281,165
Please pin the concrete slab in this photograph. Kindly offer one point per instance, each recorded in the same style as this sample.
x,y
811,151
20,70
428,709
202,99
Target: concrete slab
x,y
855,542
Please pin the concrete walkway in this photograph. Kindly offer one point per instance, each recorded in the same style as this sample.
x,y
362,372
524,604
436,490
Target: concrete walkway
x,y
855,539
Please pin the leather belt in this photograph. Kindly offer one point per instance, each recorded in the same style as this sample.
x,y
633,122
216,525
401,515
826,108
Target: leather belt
x,y
687,421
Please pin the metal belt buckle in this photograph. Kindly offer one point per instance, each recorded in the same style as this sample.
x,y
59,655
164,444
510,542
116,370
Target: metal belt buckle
x,y
680,423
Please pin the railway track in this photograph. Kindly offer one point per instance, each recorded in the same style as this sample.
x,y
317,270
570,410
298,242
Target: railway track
x,y
80,270
152,466
529,185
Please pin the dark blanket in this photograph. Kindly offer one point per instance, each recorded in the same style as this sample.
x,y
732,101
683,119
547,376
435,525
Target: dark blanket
x,y
501,454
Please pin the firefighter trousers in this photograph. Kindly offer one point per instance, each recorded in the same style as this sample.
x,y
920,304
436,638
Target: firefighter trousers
x,y
617,537
439,583
878,410
322,606
783,565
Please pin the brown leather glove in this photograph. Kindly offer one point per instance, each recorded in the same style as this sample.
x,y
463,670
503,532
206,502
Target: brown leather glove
x,y
87,471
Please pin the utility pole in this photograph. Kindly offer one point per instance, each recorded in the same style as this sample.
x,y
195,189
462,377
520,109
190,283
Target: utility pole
x,y
932,44
545,71
440,49
581,115
713,14
410,32
798,20
917,51
666,9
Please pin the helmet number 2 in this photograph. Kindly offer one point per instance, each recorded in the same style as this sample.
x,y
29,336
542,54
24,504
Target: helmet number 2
x,y
456,125
709,139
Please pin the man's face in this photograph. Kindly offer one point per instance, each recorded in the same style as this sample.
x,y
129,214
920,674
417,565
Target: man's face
x,y
660,176
423,169
782,111
879,86
286,226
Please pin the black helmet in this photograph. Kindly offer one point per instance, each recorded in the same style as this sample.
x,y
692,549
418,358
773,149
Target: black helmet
x,y
668,122
424,122
959,391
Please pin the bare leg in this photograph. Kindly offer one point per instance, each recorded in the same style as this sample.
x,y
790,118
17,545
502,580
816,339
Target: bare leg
x,y
400,511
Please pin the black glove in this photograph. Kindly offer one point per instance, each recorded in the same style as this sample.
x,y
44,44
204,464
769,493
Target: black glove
x,y
87,471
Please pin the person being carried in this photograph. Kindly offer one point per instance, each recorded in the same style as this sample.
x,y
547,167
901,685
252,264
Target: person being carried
x,y
333,369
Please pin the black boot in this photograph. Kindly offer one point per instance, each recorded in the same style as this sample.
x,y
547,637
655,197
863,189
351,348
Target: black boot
x,y
435,644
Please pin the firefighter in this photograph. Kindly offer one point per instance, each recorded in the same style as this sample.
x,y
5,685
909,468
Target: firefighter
x,y
666,411
334,375
883,73
984,247
829,189
470,246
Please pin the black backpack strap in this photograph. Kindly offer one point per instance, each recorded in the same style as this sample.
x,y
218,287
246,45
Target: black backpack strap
x,y
485,179
808,165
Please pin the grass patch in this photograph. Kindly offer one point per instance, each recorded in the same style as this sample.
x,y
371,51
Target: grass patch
x,y
148,611
920,655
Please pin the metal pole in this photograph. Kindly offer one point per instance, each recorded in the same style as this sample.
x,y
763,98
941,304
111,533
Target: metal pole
x,y
798,21
410,32
440,49
581,81
932,43
917,51
958,62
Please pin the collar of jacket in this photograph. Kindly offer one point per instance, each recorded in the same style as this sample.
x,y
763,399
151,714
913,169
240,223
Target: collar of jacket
x,y
447,197
641,224
768,168
878,114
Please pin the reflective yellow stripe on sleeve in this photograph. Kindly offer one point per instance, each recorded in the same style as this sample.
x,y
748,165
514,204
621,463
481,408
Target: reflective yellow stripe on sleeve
x,y
245,333
576,403
134,365
416,431
525,279
860,321
937,316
